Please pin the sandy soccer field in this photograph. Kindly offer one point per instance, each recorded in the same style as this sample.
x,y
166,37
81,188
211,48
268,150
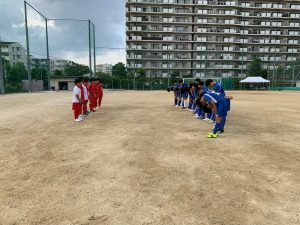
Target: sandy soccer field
x,y
140,161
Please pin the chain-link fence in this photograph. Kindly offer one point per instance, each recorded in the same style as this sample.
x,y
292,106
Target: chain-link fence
x,y
135,84
51,47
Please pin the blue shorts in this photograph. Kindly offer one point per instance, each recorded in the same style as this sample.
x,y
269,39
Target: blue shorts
x,y
223,107
185,95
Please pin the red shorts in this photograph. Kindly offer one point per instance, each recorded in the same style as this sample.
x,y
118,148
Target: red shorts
x,y
76,106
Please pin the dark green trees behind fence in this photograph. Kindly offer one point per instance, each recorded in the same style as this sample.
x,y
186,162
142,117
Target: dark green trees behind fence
x,y
256,69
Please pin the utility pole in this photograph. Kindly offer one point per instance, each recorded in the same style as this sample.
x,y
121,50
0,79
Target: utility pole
x,y
1,73
28,50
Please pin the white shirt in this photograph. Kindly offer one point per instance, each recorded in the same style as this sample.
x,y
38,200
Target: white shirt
x,y
76,91
85,92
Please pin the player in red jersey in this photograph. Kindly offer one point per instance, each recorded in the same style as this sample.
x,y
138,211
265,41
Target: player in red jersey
x,y
100,93
85,97
92,94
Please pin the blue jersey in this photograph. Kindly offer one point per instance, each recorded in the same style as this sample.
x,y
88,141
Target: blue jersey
x,y
223,104
218,88
213,97
206,90
191,95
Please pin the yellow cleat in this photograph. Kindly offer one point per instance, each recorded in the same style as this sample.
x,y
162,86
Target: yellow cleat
x,y
212,135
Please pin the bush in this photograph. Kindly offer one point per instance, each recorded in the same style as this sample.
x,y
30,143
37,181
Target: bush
x,y
13,87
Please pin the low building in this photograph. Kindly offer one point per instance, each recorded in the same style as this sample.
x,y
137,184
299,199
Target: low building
x,y
104,68
13,52
62,83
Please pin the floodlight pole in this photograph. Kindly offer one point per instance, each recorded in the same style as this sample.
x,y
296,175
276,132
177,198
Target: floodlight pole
x,y
90,49
28,50
2,89
48,57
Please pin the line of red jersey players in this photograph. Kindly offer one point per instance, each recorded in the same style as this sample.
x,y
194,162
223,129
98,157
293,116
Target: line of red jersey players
x,y
86,92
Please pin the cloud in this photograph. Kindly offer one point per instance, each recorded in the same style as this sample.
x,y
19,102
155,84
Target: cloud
x,y
67,39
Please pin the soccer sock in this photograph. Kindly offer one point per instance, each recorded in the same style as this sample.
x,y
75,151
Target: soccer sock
x,y
176,101
184,103
199,113
179,102
76,114
209,115
223,123
216,128
190,105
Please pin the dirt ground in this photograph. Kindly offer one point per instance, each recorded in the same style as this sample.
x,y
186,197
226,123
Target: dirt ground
x,y
140,161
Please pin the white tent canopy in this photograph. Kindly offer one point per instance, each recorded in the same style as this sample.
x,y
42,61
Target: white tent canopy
x,y
254,80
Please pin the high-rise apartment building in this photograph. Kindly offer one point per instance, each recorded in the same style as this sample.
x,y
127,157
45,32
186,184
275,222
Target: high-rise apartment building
x,y
211,38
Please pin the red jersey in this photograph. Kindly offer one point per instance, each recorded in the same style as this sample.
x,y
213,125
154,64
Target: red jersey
x,y
82,93
91,90
97,90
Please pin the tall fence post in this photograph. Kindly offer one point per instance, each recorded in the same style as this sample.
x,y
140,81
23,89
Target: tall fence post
x,y
48,57
2,89
28,49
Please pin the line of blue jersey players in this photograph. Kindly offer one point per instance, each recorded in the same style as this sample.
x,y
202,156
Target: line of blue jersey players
x,y
208,103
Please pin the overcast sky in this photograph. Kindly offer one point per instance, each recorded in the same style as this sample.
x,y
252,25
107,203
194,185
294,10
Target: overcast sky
x,y
67,40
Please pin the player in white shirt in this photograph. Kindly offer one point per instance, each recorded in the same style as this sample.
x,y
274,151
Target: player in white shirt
x,y
76,100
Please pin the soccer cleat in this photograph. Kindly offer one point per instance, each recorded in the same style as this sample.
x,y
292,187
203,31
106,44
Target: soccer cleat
x,y
206,119
211,135
77,120
220,132
211,121
176,106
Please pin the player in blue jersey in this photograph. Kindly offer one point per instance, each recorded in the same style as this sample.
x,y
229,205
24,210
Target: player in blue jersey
x,y
219,104
174,89
183,94
216,87
191,96
178,93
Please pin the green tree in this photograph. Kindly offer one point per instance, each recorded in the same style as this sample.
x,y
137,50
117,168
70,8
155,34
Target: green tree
x,y
76,70
106,78
119,70
141,72
174,76
17,73
58,73
39,73
256,69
